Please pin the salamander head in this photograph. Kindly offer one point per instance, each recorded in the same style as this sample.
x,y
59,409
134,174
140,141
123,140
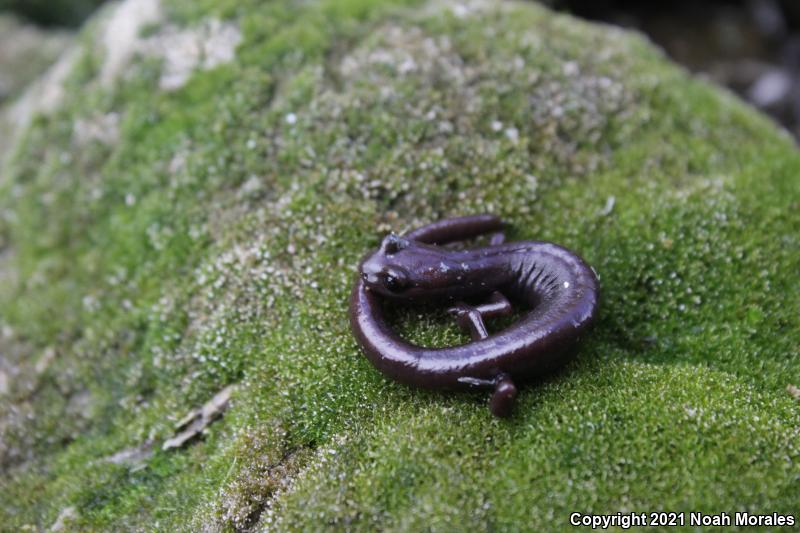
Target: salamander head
x,y
407,269
380,270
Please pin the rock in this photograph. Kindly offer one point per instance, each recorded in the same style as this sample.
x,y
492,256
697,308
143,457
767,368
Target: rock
x,y
168,239
768,17
771,88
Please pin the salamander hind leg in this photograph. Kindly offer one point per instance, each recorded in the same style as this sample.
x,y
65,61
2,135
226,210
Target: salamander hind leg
x,y
470,318
503,397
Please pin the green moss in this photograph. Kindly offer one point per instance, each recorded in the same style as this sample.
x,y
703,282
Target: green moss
x,y
213,238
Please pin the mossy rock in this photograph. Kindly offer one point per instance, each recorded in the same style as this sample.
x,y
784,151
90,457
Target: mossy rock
x,y
183,221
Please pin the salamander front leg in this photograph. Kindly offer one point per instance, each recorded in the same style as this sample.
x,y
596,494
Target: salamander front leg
x,y
505,393
470,318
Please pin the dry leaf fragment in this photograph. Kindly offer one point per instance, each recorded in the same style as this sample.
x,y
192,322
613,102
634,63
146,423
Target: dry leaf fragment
x,y
197,420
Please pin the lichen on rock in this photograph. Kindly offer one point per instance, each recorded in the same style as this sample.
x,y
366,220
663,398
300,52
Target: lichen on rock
x,y
189,219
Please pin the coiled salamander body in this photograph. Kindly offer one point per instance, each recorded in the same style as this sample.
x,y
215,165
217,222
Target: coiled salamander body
x,y
557,287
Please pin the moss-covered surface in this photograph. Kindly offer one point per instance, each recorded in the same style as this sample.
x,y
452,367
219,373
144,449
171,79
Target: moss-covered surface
x,y
210,238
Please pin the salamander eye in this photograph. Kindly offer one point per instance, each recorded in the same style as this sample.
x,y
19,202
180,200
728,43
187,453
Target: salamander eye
x,y
393,284
394,281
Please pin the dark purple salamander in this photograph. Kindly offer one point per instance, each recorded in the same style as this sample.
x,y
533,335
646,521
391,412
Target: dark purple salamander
x,y
558,287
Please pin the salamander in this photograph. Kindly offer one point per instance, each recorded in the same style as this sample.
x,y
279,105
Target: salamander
x,y
559,291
